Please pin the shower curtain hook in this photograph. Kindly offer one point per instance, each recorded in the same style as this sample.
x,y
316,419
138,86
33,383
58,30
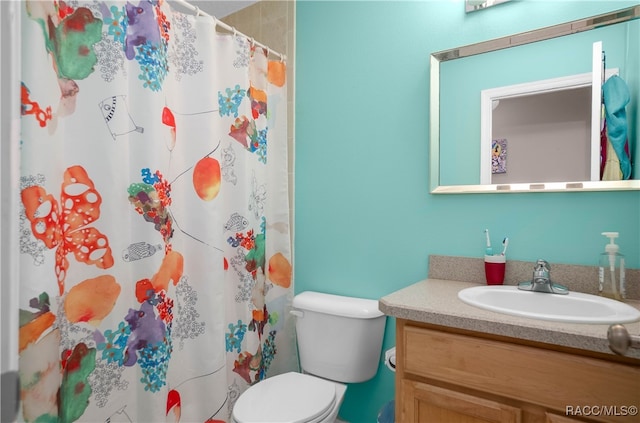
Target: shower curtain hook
x,y
197,10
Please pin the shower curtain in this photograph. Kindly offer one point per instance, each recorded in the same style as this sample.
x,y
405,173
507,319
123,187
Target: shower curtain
x,y
154,258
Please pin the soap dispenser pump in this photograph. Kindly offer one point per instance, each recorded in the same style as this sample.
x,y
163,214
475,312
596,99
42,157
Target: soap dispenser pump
x,y
611,270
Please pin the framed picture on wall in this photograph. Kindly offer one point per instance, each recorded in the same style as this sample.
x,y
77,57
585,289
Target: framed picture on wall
x,y
499,156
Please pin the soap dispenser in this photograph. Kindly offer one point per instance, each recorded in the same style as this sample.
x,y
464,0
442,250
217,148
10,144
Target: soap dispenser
x,y
611,270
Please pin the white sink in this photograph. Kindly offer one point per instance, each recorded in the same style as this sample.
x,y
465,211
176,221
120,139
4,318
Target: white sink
x,y
574,307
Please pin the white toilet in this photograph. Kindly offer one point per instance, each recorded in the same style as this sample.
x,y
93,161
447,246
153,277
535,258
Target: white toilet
x,y
339,341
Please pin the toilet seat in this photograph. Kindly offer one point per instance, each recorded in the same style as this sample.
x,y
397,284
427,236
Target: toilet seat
x,y
289,397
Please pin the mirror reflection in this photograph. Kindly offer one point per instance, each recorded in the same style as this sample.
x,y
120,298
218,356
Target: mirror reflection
x,y
474,5
533,119
542,137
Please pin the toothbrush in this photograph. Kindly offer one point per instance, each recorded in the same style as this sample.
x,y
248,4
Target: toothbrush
x,y
505,244
488,251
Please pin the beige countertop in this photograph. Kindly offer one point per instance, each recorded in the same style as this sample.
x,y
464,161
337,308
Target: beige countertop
x,y
435,301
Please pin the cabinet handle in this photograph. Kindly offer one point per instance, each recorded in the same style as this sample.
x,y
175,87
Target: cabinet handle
x,y
620,340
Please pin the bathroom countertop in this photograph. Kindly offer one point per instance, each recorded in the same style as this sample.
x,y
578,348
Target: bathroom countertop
x,y
435,301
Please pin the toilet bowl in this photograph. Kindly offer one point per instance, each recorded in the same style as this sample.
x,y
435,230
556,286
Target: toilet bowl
x,y
339,342
290,397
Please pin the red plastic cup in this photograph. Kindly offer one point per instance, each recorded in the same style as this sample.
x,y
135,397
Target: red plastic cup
x,y
494,267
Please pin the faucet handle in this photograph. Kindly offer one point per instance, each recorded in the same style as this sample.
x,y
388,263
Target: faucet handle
x,y
542,264
541,270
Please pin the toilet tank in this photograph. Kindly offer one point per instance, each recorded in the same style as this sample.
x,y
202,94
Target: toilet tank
x,y
339,338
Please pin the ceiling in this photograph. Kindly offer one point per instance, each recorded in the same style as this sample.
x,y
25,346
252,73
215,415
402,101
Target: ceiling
x,y
221,8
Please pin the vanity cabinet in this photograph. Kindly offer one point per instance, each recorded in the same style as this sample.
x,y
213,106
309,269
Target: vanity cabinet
x,y
460,376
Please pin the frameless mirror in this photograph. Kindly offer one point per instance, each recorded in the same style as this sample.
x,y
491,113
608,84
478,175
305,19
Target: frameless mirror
x,y
480,142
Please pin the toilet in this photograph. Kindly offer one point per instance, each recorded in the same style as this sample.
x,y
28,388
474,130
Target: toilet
x,y
339,342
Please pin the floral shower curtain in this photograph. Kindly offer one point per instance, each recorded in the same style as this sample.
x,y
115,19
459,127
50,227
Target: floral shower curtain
x,y
155,260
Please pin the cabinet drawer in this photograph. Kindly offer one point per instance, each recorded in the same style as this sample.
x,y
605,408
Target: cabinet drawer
x,y
552,379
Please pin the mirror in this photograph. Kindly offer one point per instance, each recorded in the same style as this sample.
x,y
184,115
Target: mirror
x,y
473,5
461,163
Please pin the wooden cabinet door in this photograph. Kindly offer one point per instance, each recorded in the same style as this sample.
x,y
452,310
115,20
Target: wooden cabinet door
x,y
555,418
431,404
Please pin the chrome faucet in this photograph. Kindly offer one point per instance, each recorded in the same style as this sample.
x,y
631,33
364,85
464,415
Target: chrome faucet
x,y
541,280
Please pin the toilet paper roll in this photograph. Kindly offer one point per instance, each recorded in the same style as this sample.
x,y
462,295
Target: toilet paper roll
x,y
390,359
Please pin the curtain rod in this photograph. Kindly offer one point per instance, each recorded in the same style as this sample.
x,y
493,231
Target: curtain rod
x,y
218,22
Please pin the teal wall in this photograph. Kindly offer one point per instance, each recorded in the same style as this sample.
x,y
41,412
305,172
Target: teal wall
x,y
365,222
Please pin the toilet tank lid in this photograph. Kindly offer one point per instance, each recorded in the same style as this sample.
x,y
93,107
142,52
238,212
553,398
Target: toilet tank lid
x,y
359,308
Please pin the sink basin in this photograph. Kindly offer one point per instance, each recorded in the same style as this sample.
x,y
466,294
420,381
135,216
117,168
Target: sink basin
x,y
574,307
